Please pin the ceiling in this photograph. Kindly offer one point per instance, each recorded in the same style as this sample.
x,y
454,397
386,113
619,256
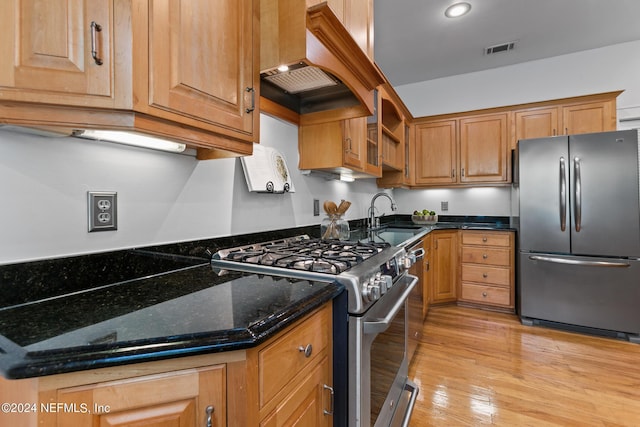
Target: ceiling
x,y
415,42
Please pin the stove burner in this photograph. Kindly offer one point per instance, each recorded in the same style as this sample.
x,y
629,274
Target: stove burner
x,y
316,255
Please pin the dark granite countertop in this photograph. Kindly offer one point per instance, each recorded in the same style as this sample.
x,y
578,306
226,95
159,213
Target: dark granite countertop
x,y
399,230
182,312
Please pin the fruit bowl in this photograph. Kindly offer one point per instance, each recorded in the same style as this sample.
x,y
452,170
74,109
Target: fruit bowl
x,y
424,219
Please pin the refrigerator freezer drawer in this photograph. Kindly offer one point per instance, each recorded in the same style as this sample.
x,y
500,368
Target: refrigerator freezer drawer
x,y
593,292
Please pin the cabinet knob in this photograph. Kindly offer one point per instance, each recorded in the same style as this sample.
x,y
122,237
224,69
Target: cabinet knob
x,y
485,275
485,256
484,239
484,294
306,350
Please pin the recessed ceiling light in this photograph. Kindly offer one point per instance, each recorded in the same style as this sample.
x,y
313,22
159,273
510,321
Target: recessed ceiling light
x,y
456,10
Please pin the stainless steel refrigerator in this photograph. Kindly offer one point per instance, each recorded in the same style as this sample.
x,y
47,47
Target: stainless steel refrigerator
x,y
579,232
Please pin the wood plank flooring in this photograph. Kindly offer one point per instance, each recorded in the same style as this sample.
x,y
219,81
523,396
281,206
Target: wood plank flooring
x,y
476,367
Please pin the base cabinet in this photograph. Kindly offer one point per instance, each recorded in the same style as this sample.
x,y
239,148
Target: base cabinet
x,y
285,381
171,399
444,266
487,269
293,376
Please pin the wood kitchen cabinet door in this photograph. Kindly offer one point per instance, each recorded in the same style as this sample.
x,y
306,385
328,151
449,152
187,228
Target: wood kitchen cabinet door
x,y
203,64
536,123
589,117
444,266
47,52
174,399
436,152
354,139
483,148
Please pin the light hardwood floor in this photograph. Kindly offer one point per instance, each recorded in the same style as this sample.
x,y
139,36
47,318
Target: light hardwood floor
x,y
476,367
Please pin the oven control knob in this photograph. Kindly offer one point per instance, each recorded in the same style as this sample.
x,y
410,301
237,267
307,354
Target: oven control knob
x,y
370,291
384,282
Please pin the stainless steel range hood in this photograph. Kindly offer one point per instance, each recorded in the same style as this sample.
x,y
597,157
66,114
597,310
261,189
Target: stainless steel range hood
x,y
329,76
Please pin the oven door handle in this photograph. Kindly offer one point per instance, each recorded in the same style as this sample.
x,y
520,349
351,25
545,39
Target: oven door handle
x,y
379,326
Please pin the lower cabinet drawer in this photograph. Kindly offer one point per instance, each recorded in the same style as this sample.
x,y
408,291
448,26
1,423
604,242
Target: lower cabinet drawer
x,y
486,294
490,256
486,274
282,360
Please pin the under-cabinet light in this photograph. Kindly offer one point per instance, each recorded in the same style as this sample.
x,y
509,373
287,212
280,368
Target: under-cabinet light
x,y
345,177
131,138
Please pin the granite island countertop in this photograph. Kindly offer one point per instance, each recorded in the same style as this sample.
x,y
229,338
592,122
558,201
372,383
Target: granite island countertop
x,y
182,312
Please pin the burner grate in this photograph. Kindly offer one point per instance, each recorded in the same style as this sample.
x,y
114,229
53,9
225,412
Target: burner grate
x,y
302,253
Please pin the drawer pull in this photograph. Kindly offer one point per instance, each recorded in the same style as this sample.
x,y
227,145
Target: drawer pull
x,y
485,256
485,275
209,411
331,405
306,350
484,239
484,294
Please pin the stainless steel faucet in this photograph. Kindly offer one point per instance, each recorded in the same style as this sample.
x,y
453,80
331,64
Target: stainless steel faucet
x,y
372,213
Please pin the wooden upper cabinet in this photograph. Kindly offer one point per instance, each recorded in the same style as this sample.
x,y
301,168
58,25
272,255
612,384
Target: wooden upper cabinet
x,y
355,136
589,117
359,22
536,123
47,52
592,113
201,64
338,147
181,70
483,148
436,152
357,18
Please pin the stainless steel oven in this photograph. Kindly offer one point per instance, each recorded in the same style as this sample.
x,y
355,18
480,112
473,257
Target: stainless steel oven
x,y
384,396
373,350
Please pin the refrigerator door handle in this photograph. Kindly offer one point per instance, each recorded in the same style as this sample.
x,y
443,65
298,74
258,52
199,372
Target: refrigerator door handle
x,y
579,262
578,193
563,195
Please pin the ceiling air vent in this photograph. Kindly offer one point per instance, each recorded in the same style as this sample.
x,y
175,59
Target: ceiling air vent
x,y
503,47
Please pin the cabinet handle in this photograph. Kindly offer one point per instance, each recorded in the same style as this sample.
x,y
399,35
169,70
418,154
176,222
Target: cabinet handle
x,y
426,266
306,350
209,412
348,145
484,239
95,28
253,99
462,174
485,275
484,294
453,173
485,256
555,132
331,393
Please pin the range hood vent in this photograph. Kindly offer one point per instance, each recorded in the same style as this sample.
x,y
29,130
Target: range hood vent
x,y
301,79
329,74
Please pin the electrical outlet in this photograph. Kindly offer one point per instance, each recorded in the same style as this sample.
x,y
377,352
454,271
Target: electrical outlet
x,y
103,210
444,206
316,207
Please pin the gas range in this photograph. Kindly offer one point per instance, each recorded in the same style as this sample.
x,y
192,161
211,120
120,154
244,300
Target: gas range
x,y
366,269
372,337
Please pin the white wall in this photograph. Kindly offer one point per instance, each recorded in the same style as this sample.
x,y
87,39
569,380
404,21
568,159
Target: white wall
x,y
162,197
606,69
165,198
